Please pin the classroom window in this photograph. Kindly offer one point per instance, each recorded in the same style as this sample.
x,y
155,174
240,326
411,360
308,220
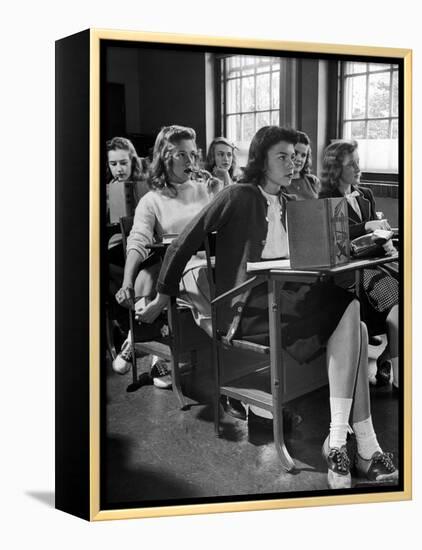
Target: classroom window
x,y
250,96
370,113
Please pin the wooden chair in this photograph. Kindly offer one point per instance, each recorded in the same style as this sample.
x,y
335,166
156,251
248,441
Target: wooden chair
x,y
185,337
260,385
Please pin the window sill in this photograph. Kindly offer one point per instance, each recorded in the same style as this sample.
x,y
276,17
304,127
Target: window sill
x,y
382,188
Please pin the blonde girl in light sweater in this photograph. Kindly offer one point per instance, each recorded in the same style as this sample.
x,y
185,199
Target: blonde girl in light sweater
x,y
175,198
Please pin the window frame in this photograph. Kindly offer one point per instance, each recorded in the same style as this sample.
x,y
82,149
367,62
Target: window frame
x,y
287,108
370,177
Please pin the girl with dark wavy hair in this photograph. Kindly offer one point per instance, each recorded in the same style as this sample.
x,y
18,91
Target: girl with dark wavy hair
x,y
316,316
304,184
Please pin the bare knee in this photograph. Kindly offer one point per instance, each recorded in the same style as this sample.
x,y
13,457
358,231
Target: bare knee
x,y
352,312
393,317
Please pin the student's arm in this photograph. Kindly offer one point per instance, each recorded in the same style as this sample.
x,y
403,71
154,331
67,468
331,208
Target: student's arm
x,y
141,235
368,226
211,218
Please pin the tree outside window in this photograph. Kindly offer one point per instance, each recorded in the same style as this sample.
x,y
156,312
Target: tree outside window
x,y
250,91
370,113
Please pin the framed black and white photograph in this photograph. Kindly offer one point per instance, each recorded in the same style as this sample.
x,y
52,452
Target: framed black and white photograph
x,y
233,239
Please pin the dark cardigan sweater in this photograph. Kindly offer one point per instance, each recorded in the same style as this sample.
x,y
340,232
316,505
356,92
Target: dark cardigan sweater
x,y
239,215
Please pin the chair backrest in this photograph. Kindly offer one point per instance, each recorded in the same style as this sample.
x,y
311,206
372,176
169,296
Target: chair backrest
x,y
126,223
209,247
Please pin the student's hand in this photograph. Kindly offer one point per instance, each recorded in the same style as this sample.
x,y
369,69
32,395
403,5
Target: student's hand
x,y
214,185
150,312
373,225
126,296
223,175
219,172
389,248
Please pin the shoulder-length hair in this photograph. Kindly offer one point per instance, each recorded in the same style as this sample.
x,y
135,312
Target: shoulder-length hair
x,y
165,143
332,164
264,139
210,160
138,165
302,137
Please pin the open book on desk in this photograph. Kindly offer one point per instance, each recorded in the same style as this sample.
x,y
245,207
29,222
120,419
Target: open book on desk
x,y
268,264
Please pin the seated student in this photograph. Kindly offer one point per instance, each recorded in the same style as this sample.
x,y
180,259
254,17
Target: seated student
x,y
221,160
126,178
313,315
125,186
304,184
341,178
174,199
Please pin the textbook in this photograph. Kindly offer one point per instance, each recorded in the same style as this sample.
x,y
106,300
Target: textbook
x,y
318,233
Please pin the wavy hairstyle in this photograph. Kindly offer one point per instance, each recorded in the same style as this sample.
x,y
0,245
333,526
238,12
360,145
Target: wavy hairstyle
x,y
139,165
210,160
332,164
302,137
264,139
165,143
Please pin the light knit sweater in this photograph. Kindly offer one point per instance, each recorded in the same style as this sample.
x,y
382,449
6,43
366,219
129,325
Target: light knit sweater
x,y
159,213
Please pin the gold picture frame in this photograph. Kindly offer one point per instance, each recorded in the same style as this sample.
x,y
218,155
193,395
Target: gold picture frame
x,y
79,448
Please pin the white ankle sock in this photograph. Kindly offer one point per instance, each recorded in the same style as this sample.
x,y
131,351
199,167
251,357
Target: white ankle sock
x,y
395,364
366,438
340,411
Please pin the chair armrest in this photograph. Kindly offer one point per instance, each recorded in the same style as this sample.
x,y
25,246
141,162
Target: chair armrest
x,y
250,283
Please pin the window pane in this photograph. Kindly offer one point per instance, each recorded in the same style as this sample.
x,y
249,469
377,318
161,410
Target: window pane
x,y
248,95
233,127
354,130
263,91
378,129
378,66
248,127
355,97
262,119
395,93
372,97
233,66
394,129
379,95
353,68
233,96
275,85
275,118
264,64
248,65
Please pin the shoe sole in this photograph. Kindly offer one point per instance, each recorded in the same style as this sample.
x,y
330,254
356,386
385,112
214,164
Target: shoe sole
x,y
162,383
118,370
337,481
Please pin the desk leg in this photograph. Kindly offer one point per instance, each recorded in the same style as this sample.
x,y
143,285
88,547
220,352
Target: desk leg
x,y
277,374
358,281
174,346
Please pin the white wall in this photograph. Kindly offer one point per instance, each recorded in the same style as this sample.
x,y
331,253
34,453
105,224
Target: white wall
x,y
27,402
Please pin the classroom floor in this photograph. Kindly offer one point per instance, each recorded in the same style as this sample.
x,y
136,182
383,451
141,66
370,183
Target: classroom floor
x,y
156,453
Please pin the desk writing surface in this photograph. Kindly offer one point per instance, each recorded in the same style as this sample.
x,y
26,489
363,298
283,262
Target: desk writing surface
x,y
283,266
